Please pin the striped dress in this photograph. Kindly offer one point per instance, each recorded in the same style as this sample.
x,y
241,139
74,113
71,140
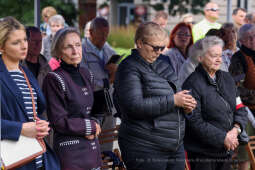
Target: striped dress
x,y
20,81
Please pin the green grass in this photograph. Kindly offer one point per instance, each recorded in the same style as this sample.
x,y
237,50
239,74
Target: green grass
x,y
122,37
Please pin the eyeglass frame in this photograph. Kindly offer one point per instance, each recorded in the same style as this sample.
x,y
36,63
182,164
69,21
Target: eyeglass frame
x,y
185,35
156,48
212,9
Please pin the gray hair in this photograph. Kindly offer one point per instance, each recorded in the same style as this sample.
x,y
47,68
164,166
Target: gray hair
x,y
209,42
57,19
87,27
58,40
196,50
98,22
244,30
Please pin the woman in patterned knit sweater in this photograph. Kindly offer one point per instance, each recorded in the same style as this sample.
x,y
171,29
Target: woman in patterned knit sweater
x,y
16,100
69,92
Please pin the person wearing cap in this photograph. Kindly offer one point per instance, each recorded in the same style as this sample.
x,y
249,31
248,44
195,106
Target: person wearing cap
x,y
211,12
69,96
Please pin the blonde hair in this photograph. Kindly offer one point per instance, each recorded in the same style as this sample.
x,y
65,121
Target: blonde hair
x,y
7,26
149,30
49,11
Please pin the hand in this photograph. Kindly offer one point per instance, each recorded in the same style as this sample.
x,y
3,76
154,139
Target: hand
x,y
90,137
112,68
42,128
184,100
231,141
98,130
188,110
29,129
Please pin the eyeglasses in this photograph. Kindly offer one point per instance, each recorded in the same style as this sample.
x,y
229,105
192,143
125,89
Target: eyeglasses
x,y
213,9
183,35
156,48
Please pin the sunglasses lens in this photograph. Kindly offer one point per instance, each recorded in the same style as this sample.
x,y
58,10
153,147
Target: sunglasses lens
x,y
162,48
158,48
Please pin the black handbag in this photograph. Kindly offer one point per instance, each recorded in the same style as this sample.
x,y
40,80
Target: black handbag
x,y
102,101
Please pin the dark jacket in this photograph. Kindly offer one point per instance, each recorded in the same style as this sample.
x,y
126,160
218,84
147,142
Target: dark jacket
x,y
144,94
215,113
238,68
44,69
69,114
13,113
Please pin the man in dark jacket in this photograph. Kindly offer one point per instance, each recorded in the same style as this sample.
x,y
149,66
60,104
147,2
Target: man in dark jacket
x,y
242,69
34,61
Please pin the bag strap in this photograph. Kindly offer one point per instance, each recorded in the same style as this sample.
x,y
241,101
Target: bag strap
x,y
31,92
33,103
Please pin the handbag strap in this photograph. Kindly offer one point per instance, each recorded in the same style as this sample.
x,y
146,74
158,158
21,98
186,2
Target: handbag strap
x,y
31,92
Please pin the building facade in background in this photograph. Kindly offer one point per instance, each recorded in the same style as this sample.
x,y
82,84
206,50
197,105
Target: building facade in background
x,y
128,11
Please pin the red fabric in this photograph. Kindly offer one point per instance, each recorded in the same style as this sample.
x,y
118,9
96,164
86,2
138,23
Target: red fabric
x,y
187,165
54,63
239,106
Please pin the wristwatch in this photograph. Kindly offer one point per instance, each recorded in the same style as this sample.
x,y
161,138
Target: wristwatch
x,y
238,129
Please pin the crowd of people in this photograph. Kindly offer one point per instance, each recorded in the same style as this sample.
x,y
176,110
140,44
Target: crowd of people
x,y
185,97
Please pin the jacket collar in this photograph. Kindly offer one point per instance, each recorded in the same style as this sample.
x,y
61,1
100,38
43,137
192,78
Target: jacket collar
x,y
248,52
12,86
89,47
160,67
204,73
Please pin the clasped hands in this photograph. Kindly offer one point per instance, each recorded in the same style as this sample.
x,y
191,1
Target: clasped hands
x,y
231,140
185,100
38,129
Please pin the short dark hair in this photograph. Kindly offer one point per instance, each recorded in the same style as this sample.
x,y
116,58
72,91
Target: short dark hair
x,y
98,22
30,29
212,32
235,11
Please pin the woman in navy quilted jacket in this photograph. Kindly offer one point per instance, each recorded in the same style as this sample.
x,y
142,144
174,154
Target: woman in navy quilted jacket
x,y
149,99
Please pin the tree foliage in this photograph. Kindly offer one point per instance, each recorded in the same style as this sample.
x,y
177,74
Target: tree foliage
x,y
182,6
23,10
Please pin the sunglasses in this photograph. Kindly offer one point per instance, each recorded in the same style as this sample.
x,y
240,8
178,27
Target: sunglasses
x,y
213,9
156,48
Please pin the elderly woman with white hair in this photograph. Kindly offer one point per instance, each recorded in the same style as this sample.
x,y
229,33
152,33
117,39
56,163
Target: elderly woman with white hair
x,y
213,128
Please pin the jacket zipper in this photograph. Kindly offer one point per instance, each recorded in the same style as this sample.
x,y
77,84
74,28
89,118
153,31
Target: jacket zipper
x,y
228,108
179,129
